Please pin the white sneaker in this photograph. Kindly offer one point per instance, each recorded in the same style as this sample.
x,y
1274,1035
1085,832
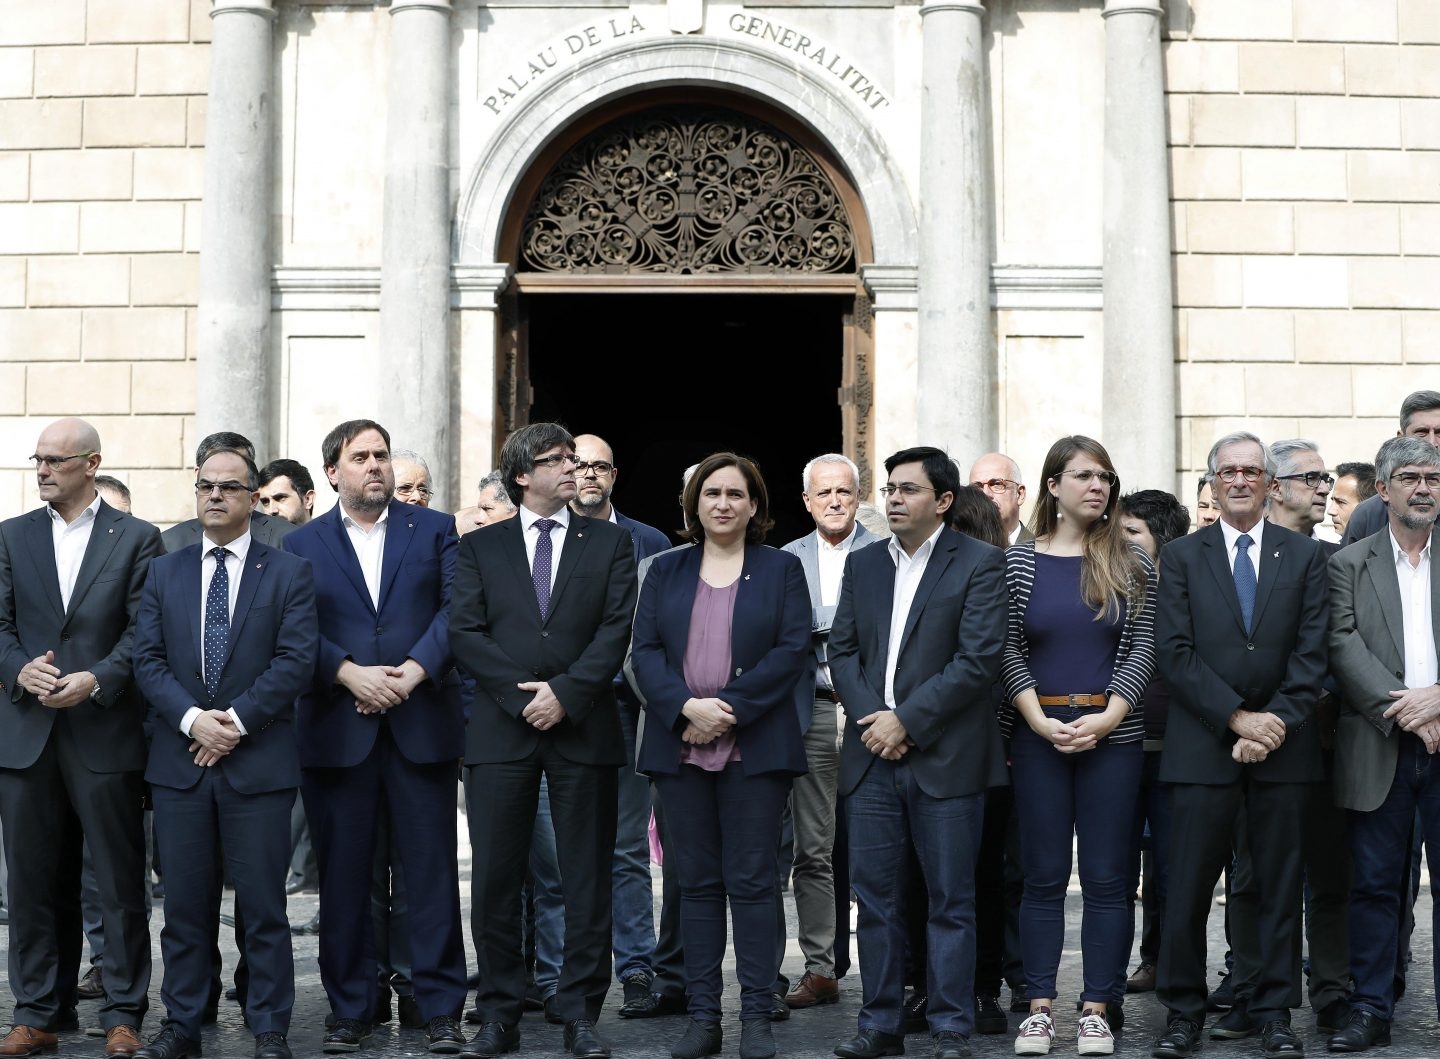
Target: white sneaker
x,y
1036,1034
1093,1036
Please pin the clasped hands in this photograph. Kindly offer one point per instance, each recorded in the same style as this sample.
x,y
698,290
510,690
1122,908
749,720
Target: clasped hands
x,y
1083,733
377,688
709,719
1417,710
43,679
884,735
1260,733
213,735
544,711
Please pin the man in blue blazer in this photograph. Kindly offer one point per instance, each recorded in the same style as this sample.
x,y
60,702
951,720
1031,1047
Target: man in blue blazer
x,y
225,641
914,652
382,719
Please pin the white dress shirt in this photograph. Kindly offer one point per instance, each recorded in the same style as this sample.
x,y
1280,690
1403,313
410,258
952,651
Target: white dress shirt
x,y
236,551
369,545
528,519
909,569
830,562
1420,660
71,540
1232,535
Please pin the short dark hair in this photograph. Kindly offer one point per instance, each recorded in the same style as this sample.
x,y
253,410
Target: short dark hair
x,y
252,473
223,439
293,469
760,525
938,467
1163,514
346,432
517,455
105,481
1419,401
1363,473
1201,483
975,514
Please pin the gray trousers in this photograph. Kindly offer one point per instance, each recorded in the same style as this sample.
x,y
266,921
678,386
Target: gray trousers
x,y
812,808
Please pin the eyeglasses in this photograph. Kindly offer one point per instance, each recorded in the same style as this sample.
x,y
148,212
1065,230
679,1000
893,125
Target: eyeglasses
x,y
997,485
1085,477
1310,478
1250,474
56,461
229,490
409,489
1409,479
556,459
598,466
907,490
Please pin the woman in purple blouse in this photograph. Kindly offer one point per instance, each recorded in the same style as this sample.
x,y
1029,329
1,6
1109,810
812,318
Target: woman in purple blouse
x,y
720,647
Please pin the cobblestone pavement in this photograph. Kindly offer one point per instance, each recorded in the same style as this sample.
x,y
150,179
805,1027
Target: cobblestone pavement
x,y
806,1033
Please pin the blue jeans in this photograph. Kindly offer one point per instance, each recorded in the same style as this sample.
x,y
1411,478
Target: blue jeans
x,y
1084,801
887,811
1378,846
632,894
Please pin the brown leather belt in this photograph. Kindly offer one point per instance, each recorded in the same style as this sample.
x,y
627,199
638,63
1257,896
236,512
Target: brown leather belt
x,y
828,694
1073,700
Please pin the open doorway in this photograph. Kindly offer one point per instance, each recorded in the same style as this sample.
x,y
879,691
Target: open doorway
x,y
668,379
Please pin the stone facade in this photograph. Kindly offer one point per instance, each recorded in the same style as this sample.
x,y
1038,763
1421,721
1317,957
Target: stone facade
x,y
1304,182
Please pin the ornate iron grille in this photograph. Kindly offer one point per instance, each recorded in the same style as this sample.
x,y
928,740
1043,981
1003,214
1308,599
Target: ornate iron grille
x,y
689,191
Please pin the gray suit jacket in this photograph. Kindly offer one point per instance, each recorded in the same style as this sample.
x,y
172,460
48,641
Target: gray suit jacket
x,y
1367,658
267,529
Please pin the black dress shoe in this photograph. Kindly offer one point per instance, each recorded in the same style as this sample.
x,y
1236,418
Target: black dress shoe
x,y
92,986
384,1009
1222,997
533,1000
1332,1017
870,1044
169,1043
1365,1030
410,1012
232,993
757,1040
444,1036
582,1043
1179,1041
1235,1025
701,1039
346,1036
636,985
779,1010
1019,1000
494,1038
272,1046
310,927
210,1014
989,1015
552,1012
1278,1041
654,1006
913,1011
951,1045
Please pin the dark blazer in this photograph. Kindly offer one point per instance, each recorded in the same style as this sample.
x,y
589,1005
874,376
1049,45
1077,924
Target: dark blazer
x,y
769,649
93,634
1369,518
412,621
270,660
499,638
1213,668
949,661
264,529
647,539
1367,658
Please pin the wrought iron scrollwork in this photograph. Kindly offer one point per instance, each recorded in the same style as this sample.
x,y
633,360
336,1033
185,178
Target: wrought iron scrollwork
x,y
690,191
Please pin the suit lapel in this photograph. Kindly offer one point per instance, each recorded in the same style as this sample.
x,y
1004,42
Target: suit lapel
x,y
1219,563
513,542
1269,569
1380,565
809,549
337,540
399,532
940,557
40,534
883,607
1434,585
104,535
251,573
576,537
189,582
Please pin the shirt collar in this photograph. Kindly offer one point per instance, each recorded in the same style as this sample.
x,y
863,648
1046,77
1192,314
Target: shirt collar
x,y
239,547
1232,534
922,552
1400,553
528,518
348,521
826,546
91,510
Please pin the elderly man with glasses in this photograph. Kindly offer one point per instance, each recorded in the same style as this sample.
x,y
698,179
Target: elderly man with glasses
x,y
999,476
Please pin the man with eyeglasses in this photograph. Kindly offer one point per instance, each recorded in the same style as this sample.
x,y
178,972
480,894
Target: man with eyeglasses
x,y
412,478
541,619
223,760
1240,641
1384,599
1419,418
267,529
72,753
999,476
381,724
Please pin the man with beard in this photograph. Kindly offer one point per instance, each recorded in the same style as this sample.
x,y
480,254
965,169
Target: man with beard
x,y
382,720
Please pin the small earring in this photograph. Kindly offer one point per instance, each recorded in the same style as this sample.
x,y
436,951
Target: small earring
x,y
1059,514
1105,517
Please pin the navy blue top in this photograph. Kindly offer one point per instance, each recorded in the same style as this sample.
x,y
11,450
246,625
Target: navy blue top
x,y
1070,652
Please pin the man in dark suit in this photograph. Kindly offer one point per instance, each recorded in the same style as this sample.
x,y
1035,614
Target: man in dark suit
x,y
1384,613
543,606
914,652
1419,418
72,743
382,719
225,642
1240,635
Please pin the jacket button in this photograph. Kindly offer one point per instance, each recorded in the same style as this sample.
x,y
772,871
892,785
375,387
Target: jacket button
x,y
379,630
738,671
65,637
1249,647
544,632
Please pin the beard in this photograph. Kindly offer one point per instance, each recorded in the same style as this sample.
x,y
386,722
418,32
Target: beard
x,y
1418,513
360,500
591,502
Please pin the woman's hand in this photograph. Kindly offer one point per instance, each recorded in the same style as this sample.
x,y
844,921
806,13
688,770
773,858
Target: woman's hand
x,y
1063,737
709,717
695,737
1098,725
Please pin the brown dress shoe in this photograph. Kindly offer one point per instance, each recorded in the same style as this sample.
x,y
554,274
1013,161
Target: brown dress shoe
x,y
27,1040
813,989
121,1040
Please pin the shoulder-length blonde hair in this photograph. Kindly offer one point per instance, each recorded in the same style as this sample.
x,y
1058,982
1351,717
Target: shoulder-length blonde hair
x,y
1110,570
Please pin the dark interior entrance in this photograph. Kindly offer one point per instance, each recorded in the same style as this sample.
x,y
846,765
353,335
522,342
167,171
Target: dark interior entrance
x,y
668,379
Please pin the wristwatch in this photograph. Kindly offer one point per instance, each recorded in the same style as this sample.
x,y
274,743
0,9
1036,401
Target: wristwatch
x,y
95,692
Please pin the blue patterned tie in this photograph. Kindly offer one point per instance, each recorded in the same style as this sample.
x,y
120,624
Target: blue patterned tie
x,y
217,622
544,554
1245,579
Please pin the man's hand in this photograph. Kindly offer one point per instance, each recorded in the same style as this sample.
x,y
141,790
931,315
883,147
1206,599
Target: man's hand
x,y
38,676
376,688
412,675
1415,707
1430,733
881,731
70,690
711,717
544,711
1263,728
1249,751
215,731
204,758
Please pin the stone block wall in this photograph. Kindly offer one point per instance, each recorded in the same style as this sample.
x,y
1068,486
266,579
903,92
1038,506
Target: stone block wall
x,y
102,118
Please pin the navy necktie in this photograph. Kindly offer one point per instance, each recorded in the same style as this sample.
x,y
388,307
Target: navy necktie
x,y
217,621
1245,579
540,572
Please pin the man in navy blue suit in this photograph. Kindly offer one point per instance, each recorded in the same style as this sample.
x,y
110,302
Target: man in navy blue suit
x,y
225,641
382,719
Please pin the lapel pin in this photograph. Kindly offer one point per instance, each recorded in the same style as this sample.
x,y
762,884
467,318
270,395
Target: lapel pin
x,y
747,577
259,565
1277,553
409,525
110,530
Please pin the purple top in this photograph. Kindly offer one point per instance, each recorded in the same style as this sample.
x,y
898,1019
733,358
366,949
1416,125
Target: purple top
x,y
707,668
1070,652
